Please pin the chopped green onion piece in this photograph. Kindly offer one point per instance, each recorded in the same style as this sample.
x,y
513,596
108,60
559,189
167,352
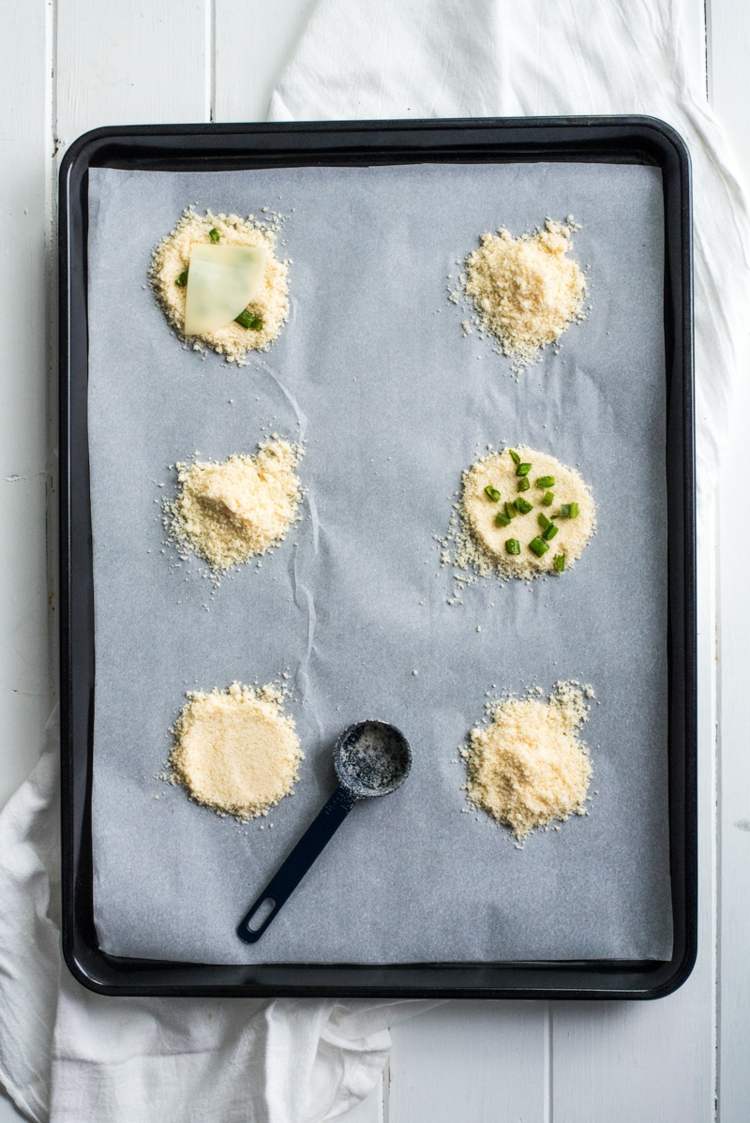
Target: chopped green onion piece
x,y
249,320
524,484
538,546
182,279
545,482
543,521
514,456
558,563
501,519
550,532
492,493
523,506
510,511
512,546
568,511
523,469
214,234
548,498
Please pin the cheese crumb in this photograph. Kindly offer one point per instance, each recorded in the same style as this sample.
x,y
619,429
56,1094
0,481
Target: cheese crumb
x,y
171,258
232,510
528,768
526,290
235,750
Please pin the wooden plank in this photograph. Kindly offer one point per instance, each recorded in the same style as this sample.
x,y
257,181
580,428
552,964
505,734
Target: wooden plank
x,y
246,68
593,1061
734,773
24,153
25,148
25,679
113,63
132,63
248,64
729,45
470,1061
657,1060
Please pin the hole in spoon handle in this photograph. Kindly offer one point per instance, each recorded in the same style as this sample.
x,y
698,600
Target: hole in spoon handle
x,y
285,881
258,918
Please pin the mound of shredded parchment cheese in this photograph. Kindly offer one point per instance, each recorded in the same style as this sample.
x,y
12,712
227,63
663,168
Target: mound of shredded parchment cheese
x,y
526,290
171,259
528,768
484,521
486,553
232,510
235,750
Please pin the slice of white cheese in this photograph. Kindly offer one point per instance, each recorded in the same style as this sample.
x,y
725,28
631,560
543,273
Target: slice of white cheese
x,y
222,280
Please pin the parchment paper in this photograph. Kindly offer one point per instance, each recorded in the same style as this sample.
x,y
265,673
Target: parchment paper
x,y
392,402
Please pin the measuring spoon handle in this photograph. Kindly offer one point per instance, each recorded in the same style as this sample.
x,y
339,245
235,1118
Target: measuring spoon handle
x,y
294,868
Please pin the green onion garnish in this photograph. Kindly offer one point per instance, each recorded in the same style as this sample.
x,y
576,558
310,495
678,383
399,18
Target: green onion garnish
x,y
182,279
523,469
543,521
558,563
510,511
514,456
524,484
545,482
548,498
568,511
550,532
249,320
501,519
214,234
492,493
522,506
538,546
512,546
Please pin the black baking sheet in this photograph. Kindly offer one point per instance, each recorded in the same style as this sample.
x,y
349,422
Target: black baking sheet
x,y
444,315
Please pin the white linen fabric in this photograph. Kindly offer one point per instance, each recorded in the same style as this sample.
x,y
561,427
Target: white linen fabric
x,y
68,1055
453,58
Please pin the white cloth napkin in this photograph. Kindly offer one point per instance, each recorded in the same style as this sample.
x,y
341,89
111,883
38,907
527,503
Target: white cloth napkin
x,y
517,58
71,1056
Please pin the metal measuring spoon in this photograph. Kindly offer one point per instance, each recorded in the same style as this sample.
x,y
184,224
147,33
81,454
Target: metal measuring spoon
x,y
371,758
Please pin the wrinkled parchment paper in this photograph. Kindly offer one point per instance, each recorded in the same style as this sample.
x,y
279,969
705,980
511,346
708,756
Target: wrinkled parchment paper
x,y
392,402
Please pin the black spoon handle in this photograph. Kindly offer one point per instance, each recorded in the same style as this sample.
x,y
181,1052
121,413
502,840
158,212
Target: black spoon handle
x,y
286,880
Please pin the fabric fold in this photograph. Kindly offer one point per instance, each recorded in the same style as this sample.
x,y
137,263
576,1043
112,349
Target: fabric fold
x,y
428,58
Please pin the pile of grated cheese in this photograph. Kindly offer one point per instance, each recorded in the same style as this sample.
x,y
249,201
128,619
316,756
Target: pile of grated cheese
x,y
474,547
528,768
171,258
486,552
526,290
232,510
235,750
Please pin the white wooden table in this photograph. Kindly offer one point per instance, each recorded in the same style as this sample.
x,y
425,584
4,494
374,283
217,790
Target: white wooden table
x,y
70,65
